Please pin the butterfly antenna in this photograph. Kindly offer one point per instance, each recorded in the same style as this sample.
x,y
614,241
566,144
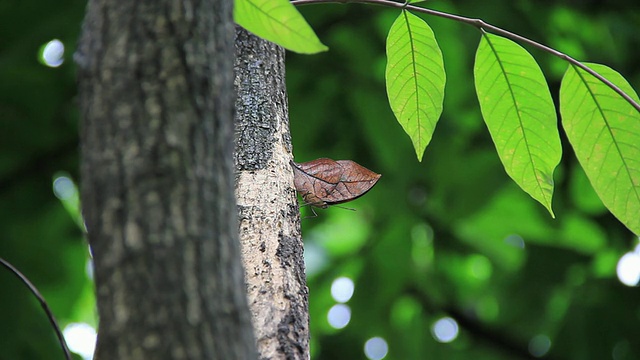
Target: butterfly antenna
x,y
342,207
310,205
310,217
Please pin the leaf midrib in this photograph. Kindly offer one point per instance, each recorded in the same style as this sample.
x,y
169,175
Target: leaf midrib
x,y
518,110
415,76
608,127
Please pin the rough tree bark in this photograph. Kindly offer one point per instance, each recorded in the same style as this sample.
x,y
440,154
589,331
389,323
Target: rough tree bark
x,y
156,96
269,216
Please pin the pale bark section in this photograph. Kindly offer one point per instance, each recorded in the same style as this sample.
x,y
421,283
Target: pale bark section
x,y
271,283
268,211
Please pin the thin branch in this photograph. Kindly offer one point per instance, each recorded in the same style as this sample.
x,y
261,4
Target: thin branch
x,y
487,27
43,303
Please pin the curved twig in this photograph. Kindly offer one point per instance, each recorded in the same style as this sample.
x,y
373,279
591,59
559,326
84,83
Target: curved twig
x,y
43,303
480,24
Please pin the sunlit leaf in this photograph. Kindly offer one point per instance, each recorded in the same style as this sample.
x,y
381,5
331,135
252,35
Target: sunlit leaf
x,y
277,21
519,112
604,130
415,78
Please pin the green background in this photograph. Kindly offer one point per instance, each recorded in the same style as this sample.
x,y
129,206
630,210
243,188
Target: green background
x,y
430,240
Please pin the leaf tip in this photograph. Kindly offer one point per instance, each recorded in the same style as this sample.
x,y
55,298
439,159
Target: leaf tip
x,y
553,216
316,49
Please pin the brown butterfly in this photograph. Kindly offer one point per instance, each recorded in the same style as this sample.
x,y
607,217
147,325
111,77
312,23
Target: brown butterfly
x,y
323,182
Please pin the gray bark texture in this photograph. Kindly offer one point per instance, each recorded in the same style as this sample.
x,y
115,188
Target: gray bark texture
x,y
156,100
272,246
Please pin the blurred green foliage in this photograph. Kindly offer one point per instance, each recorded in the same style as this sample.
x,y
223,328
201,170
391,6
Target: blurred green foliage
x,y
443,237
452,236
38,137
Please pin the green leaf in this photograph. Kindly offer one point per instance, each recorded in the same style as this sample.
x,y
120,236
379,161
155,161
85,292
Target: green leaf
x,y
519,112
277,21
604,130
415,78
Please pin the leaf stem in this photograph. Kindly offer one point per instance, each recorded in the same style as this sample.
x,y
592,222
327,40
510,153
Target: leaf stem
x,y
480,24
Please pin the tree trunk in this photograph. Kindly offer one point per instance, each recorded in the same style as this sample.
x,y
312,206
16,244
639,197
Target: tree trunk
x,y
155,82
269,216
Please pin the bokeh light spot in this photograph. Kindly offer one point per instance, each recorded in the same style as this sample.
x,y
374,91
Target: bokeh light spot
x,y
339,316
445,330
89,267
52,53
342,289
539,345
81,339
376,348
628,269
515,240
315,258
64,188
